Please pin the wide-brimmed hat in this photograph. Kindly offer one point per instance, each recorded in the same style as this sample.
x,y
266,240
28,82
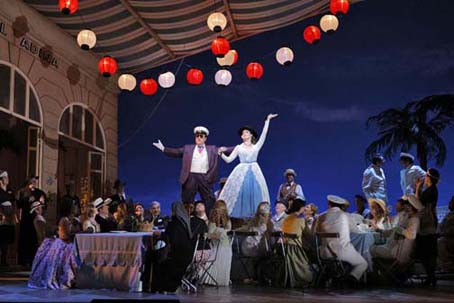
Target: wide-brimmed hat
x,y
289,171
379,202
249,128
337,200
35,206
118,183
414,201
201,130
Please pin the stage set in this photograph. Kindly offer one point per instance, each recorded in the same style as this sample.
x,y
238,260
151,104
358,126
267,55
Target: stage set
x,y
226,150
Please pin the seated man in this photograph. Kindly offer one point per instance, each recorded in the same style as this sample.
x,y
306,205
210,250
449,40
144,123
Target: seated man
x,y
446,240
159,221
280,215
400,240
103,218
335,220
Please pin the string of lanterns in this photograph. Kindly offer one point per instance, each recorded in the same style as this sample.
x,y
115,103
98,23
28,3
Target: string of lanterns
x,y
220,47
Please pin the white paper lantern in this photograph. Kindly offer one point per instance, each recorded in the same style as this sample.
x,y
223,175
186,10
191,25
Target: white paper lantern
x,y
86,39
127,82
223,77
217,22
166,80
229,59
329,23
284,56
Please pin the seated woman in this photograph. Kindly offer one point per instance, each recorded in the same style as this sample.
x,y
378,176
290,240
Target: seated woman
x,y
446,240
280,208
380,219
54,265
259,245
219,225
122,218
167,273
297,270
400,240
310,213
90,225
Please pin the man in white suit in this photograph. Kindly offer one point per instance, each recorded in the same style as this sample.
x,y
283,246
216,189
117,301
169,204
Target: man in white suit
x,y
335,220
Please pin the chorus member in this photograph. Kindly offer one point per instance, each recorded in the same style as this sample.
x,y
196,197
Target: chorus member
x,y
199,170
290,189
400,239
446,240
361,206
70,203
122,218
39,222
55,265
120,198
6,193
374,180
334,220
218,228
380,218
297,270
246,186
310,214
159,221
8,223
401,215
427,192
200,211
90,225
279,215
410,174
103,218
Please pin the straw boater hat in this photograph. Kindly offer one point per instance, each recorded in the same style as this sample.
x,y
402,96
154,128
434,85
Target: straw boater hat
x,y
337,200
6,204
201,130
100,202
379,202
289,171
249,128
35,206
414,201
408,156
3,173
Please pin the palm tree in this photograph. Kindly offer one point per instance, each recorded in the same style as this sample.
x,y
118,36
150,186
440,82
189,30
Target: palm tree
x,y
420,124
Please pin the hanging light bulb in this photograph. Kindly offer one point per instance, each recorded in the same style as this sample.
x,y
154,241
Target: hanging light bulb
x,y
86,39
217,22
284,56
166,80
329,23
127,82
229,59
223,77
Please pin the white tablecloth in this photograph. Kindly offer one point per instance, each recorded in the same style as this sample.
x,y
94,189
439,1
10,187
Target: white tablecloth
x,y
110,260
362,243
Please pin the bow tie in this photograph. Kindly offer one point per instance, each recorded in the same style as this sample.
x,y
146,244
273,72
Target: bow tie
x,y
200,148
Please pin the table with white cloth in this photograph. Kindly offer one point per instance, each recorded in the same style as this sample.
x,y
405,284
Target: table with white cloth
x,y
111,260
362,242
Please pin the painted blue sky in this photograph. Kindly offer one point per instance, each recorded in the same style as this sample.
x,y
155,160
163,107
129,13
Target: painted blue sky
x,y
385,54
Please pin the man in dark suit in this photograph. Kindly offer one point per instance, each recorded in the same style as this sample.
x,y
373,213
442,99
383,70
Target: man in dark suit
x,y
120,198
103,218
199,170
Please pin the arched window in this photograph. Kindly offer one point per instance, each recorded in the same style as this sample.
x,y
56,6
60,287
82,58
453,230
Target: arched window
x,y
17,95
80,124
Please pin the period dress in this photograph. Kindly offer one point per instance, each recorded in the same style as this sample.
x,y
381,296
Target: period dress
x,y
246,186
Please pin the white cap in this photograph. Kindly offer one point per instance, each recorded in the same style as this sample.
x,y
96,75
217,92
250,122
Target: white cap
x,y
201,129
337,200
35,206
289,171
407,155
6,204
3,173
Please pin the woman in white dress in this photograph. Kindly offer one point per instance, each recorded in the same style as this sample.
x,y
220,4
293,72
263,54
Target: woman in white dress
x,y
246,186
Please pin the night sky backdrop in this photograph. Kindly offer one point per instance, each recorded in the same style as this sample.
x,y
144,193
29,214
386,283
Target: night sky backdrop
x,y
385,54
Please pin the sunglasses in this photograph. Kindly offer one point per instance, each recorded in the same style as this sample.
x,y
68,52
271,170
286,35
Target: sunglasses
x,y
200,135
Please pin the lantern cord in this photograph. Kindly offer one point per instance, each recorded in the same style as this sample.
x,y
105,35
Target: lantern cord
x,y
151,114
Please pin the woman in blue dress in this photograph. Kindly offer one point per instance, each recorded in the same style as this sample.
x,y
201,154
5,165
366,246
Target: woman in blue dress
x,y
246,186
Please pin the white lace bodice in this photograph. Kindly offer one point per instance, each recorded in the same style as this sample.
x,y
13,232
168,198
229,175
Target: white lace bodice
x,y
248,154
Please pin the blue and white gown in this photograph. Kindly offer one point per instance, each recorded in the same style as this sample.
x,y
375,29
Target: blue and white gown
x,y
246,186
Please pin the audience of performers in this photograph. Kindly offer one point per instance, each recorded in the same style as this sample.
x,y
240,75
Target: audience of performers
x,y
280,214
446,240
297,269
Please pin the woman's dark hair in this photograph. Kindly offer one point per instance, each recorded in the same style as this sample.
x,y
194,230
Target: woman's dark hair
x,y
296,206
434,175
377,159
407,159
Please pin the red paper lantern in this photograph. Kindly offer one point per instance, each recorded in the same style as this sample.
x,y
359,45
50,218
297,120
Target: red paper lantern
x,y
194,76
148,87
254,71
312,34
68,6
107,66
220,46
339,6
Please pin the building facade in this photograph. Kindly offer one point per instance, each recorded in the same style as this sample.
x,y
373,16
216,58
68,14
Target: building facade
x,y
58,115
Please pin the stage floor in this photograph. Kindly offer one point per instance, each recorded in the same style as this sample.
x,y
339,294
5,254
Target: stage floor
x,y
17,291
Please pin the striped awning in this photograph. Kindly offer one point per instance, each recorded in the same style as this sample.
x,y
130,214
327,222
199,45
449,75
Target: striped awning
x,y
142,34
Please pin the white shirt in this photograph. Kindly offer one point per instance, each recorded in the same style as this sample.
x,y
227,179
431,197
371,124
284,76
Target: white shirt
x,y
374,183
199,164
408,178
